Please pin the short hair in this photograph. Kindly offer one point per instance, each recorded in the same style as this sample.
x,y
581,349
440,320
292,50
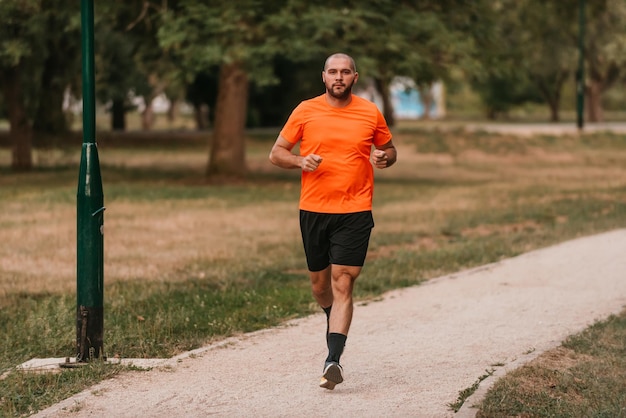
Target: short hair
x,y
341,55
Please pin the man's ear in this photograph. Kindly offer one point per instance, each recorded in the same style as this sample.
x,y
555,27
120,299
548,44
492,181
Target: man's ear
x,y
356,77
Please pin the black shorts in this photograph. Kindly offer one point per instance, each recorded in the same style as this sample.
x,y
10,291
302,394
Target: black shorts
x,y
335,238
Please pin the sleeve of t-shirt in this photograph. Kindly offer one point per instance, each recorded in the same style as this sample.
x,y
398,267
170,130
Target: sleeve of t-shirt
x,y
382,134
293,128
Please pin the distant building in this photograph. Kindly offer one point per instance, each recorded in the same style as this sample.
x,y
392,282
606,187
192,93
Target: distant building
x,y
405,98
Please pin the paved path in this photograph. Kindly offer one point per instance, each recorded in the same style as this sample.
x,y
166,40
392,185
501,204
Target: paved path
x,y
409,354
559,128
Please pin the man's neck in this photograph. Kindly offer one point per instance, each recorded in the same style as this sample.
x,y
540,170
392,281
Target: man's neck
x,y
335,102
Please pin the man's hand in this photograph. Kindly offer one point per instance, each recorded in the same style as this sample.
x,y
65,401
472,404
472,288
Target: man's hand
x,y
310,162
379,159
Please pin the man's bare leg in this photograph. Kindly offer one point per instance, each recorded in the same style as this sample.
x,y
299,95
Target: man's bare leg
x,y
342,284
321,287
340,316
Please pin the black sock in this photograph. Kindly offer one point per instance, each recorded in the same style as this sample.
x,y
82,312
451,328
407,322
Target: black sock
x,y
336,343
327,312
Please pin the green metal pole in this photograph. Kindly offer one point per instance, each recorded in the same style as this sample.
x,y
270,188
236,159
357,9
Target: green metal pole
x,y
580,74
90,212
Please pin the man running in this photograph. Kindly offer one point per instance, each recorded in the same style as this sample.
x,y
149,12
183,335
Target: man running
x,y
336,131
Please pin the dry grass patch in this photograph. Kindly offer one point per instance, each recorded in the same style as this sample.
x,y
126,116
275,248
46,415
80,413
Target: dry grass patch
x,y
142,241
486,230
583,377
547,371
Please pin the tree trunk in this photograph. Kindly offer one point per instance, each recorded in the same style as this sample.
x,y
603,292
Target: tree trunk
x,y
172,111
201,116
228,148
50,118
551,99
383,88
426,97
593,101
147,116
550,90
554,111
118,115
20,130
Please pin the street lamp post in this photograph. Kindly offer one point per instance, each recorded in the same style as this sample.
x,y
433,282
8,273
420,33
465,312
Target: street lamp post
x,y
90,212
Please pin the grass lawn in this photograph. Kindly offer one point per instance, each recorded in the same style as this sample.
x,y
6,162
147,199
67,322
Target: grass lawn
x,y
188,261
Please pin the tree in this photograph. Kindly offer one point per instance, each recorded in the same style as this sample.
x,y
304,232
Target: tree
x,y
420,40
536,48
605,51
237,38
61,41
122,33
39,42
550,57
157,69
19,52
270,105
202,94
504,78
537,36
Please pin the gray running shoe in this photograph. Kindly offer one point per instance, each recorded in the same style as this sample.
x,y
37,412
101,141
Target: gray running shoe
x,y
333,375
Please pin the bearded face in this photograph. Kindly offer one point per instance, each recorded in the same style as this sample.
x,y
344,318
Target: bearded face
x,y
339,76
340,90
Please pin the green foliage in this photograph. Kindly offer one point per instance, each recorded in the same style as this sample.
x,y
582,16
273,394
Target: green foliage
x,y
515,51
204,35
18,31
605,40
127,53
500,93
22,48
59,70
530,56
423,42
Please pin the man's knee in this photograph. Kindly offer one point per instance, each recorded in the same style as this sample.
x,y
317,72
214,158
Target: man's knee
x,y
343,278
320,281
345,273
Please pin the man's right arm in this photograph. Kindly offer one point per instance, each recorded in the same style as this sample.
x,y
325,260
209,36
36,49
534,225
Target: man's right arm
x,y
281,156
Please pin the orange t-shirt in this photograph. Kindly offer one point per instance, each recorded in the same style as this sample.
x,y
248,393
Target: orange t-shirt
x,y
343,137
